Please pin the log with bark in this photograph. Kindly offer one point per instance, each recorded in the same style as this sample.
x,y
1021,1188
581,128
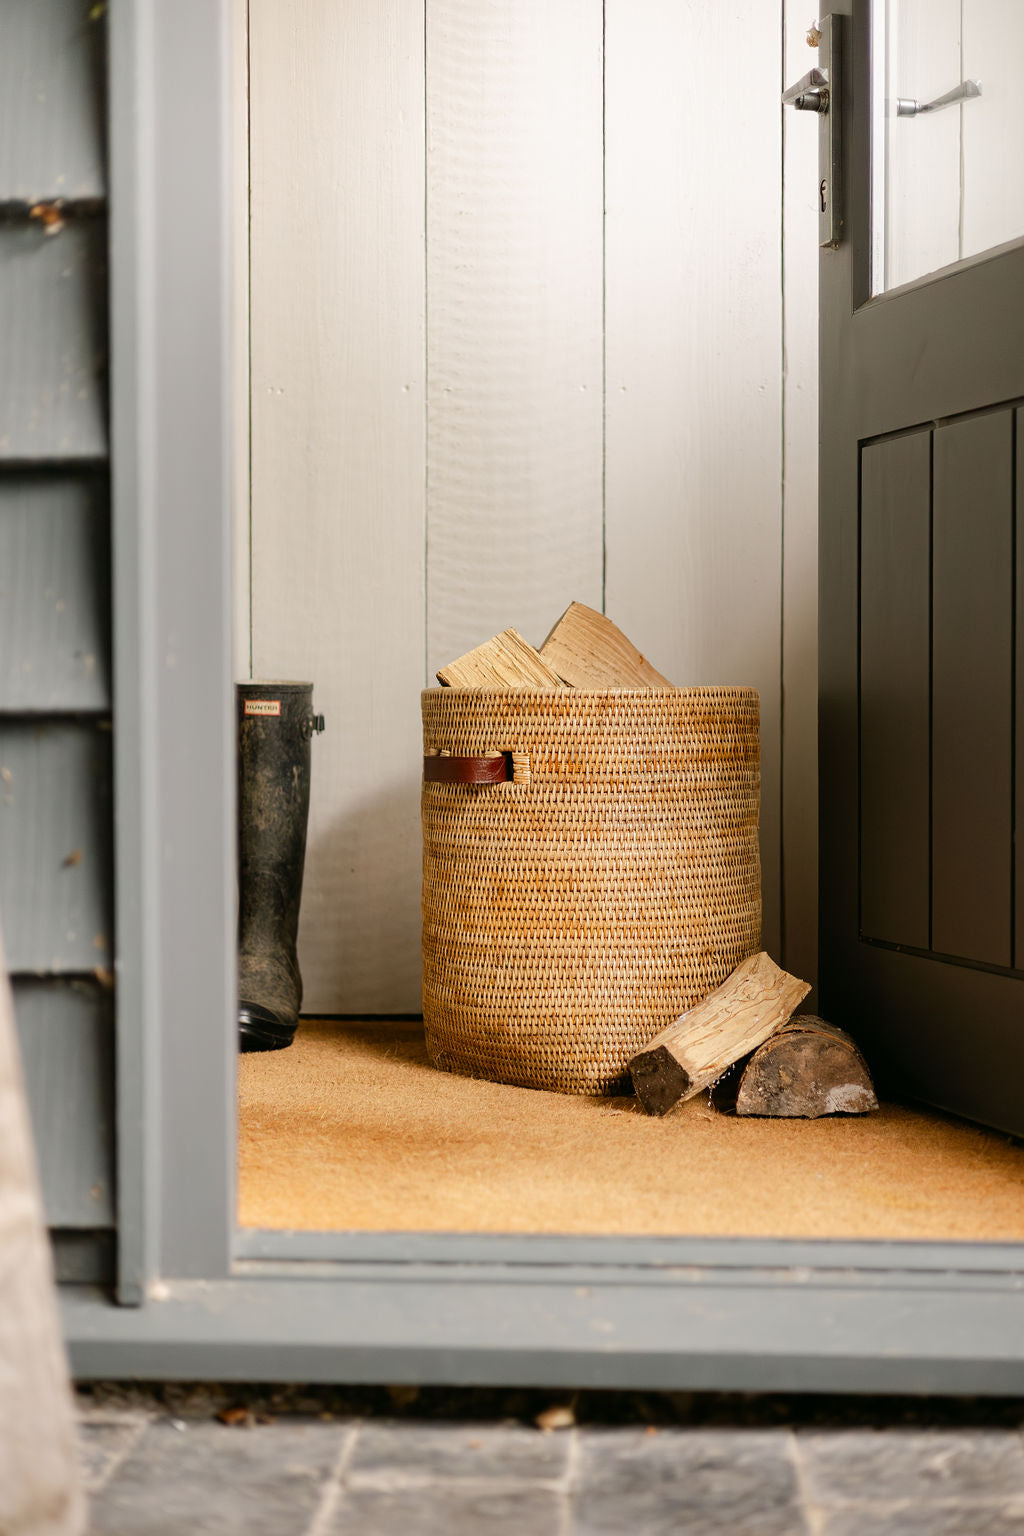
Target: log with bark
x,y
694,1051
506,661
588,651
808,1068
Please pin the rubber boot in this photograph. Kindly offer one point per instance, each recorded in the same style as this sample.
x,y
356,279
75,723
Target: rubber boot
x,y
275,727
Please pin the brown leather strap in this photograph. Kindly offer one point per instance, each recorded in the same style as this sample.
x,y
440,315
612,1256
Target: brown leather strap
x,y
467,770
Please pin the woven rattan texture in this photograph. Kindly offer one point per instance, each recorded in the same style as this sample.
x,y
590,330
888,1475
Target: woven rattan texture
x,y
569,917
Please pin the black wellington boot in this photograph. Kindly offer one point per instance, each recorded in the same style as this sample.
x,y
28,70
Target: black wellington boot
x,y
275,727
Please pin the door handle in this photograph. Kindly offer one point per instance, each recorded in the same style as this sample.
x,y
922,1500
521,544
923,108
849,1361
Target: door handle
x,y
906,106
809,94
820,91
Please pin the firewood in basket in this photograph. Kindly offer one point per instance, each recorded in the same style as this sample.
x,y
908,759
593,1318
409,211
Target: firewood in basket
x,y
588,651
506,661
694,1051
808,1068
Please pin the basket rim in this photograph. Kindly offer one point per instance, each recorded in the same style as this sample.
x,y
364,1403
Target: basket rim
x,y
727,690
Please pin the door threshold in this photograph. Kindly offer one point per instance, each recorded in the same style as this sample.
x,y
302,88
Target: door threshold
x,y
960,1334
561,1251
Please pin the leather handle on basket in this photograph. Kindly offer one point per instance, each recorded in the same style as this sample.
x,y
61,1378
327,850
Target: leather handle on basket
x,y
467,770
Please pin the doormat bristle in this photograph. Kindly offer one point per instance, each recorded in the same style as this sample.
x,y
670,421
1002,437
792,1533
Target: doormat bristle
x,y
352,1129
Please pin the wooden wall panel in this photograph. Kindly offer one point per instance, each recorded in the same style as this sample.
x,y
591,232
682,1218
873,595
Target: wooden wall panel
x,y
694,352
240,338
66,1035
799,724
55,854
514,351
53,319
54,593
361,528
338,466
51,101
972,688
895,700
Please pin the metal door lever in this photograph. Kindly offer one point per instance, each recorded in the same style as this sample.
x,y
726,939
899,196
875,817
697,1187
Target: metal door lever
x,y
820,91
809,94
906,106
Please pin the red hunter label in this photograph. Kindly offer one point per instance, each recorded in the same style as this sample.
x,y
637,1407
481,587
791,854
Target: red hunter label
x,y
263,706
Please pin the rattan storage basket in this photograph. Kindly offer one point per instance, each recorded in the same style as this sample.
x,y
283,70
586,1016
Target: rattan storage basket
x,y
572,911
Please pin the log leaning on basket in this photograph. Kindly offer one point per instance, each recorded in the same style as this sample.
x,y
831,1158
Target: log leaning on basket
x,y
734,1020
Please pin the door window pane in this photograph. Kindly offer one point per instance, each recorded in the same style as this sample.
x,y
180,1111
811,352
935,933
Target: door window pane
x,y
947,179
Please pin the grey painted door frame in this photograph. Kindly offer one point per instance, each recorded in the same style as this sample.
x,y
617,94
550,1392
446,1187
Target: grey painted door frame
x,y
198,1299
171,499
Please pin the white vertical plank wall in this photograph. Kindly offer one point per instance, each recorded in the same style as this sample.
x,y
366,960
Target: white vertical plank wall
x,y
800,514
514,341
338,468
242,631
518,337
694,348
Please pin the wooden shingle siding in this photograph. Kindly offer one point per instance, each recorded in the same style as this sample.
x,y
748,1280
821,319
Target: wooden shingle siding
x,y
51,100
53,317
55,846
54,592
66,1033
56,822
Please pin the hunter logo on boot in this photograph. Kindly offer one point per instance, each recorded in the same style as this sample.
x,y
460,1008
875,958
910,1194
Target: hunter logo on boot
x,y
263,706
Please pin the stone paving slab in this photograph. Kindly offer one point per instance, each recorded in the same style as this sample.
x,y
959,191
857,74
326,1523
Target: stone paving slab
x,y
197,1478
703,1482
167,1468
924,1520
913,1464
102,1446
449,1510
404,1451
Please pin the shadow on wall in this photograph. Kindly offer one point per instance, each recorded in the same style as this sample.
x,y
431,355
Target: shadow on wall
x,y
359,934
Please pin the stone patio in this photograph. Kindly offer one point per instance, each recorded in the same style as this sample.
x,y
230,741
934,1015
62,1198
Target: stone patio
x,y
401,1462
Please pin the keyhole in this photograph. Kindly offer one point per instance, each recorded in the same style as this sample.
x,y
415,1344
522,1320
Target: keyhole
x,y
823,197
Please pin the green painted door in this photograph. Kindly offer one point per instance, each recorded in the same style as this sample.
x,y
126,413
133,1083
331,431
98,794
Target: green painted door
x,y
922,555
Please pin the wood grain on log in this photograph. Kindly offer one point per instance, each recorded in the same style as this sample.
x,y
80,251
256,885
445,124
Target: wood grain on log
x,y
506,661
808,1068
734,1020
588,651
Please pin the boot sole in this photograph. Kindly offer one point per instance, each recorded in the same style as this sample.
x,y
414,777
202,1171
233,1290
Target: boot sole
x,y
260,1030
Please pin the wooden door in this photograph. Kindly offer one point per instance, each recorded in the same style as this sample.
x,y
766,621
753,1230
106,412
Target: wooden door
x,y
921,585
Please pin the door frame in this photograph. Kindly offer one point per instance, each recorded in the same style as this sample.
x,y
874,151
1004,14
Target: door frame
x,y
197,1298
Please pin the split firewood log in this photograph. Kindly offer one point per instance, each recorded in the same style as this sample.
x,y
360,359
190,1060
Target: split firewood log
x,y
588,651
808,1068
506,661
695,1050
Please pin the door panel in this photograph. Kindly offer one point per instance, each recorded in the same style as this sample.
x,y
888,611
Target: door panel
x,y
972,689
895,610
920,652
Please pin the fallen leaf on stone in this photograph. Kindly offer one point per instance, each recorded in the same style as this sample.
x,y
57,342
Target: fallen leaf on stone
x,y
561,1417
